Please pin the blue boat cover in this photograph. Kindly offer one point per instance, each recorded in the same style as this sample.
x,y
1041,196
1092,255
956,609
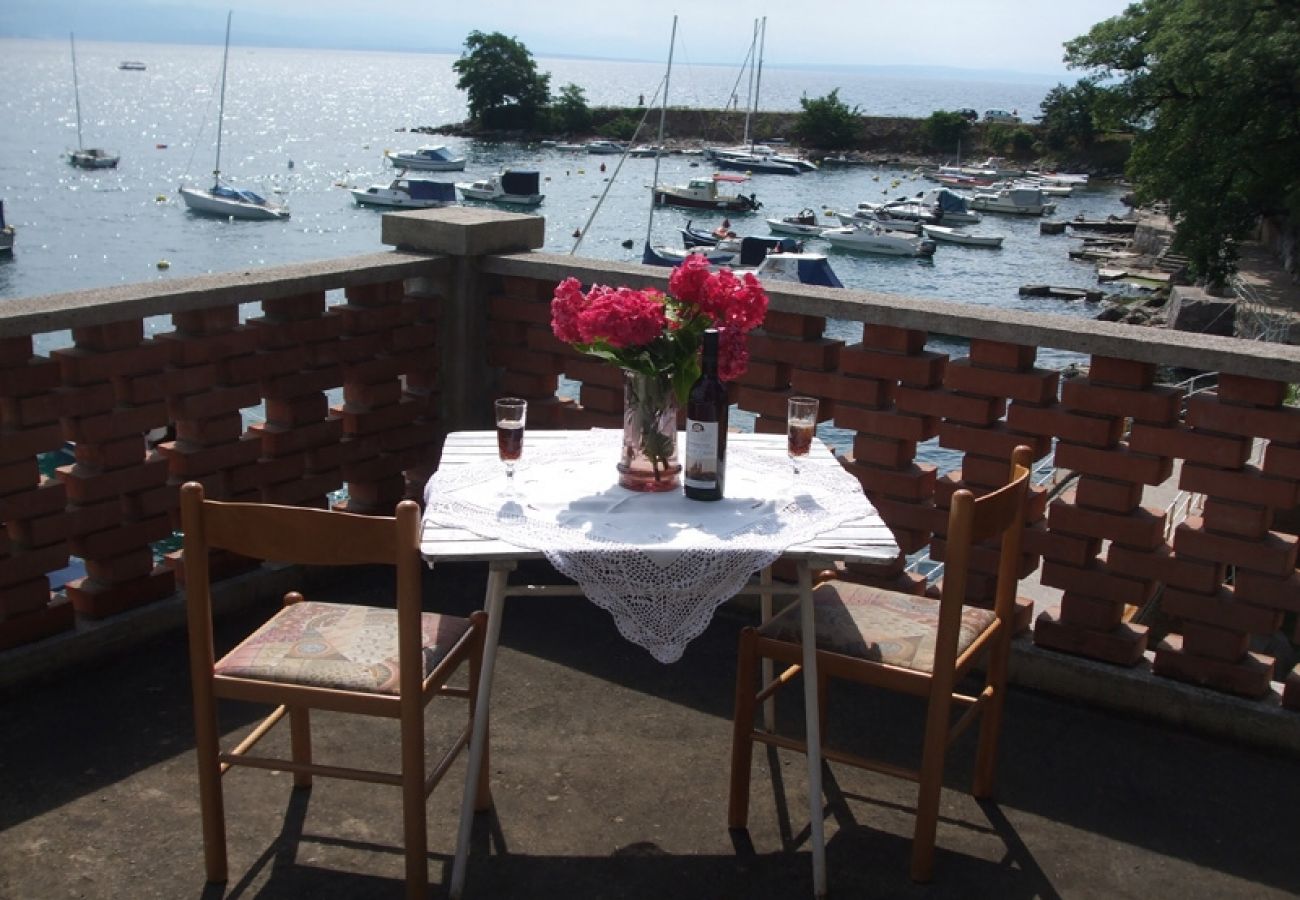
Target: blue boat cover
x,y
521,181
754,249
819,272
229,193
422,189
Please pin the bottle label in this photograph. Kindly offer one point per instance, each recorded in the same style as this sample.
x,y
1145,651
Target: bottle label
x,y
701,454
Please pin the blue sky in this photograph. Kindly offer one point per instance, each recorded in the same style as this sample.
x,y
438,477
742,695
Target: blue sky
x,y
1019,35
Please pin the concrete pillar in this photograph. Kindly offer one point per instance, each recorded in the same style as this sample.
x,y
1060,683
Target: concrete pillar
x,y
466,234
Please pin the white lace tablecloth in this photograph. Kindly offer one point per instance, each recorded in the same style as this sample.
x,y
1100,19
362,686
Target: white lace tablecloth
x,y
659,563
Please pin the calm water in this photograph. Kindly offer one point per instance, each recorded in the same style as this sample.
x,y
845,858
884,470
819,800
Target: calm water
x,y
332,113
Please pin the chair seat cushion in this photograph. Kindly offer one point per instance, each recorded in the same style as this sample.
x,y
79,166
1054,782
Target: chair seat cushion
x,y
877,624
336,645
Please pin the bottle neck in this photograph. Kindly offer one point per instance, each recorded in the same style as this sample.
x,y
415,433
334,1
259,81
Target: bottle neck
x,y
709,353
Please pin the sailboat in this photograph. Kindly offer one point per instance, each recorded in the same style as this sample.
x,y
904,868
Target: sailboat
x,y
221,199
87,157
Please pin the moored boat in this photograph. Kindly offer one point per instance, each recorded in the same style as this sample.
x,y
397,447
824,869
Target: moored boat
x,y
702,193
430,157
804,224
949,235
1022,201
517,187
407,193
874,239
87,157
6,232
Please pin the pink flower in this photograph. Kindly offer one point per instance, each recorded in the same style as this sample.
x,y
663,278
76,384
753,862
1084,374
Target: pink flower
x,y
733,354
567,303
687,280
622,317
734,303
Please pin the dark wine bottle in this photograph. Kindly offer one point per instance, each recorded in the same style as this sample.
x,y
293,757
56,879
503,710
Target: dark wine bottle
x,y
706,427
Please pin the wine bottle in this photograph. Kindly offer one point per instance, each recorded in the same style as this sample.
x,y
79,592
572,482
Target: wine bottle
x,y
706,427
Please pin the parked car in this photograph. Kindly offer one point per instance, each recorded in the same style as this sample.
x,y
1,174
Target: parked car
x,y
1002,116
968,114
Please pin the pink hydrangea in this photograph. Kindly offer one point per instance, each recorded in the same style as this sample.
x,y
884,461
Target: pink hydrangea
x,y
622,317
565,306
738,304
733,354
687,280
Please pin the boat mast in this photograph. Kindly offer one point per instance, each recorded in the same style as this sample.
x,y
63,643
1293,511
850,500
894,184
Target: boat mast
x,y
758,81
76,89
749,93
663,115
221,106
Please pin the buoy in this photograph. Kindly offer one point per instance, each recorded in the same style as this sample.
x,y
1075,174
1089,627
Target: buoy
x,y
291,164
602,167
160,146
577,232
161,198
164,264
627,245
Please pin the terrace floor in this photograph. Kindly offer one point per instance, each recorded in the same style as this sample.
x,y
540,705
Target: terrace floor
x,y
609,772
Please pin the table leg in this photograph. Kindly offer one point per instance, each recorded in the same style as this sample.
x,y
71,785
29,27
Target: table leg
x,y
765,613
816,829
494,605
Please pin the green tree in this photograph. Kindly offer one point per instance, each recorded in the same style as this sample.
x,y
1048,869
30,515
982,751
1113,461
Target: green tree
x,y
828,123
571,111
1069,117
1211,88
945,131
499,75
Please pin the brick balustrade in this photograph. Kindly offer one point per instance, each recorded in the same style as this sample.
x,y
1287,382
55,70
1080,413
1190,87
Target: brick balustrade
x,y
425,335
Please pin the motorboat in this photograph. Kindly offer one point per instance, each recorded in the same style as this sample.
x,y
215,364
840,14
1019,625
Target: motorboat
x,y
430,158
874,239
517,187
768,258
648,152
605,148
702,193
1022,201
87,157
222,199
1073,179
804,224
6,232
131,65
948,235
407,193
664,255
869,214
950,206
754,164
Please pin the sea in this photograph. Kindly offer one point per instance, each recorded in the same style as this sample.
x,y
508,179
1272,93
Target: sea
x,y
307,125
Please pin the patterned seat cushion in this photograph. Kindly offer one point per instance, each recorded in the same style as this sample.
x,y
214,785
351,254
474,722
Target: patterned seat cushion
x,y
336,645
876,624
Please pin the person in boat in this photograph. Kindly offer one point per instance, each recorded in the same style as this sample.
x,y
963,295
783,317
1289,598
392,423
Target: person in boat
x,y
723,231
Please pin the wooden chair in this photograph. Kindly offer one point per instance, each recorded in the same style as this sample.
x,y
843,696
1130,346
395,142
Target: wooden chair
x,y
912,644
345,658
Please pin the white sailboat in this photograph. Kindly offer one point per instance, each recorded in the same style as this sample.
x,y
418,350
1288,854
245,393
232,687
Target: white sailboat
x,y
221,199
87,157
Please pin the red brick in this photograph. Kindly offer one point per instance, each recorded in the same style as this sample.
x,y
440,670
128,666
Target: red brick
x,y
543,340
211,402
1108,495
1246,485
32,376
367,319
112,336
1249,677
794,325
520,384
299,306
528,288
413,336
292,411
185,461
1055,421
115,454
983,473
1142,529
18,444
359,397
1216,643
278,441
822,355
347,349
97,601
23,565
1120,372
911,515
1123,645
129,566
916,483
1243,520
38,531
311,490
1282,593
311,381
1084,611
1094,580
995,441
917,370
521,360
1291,695
121,538
984,558
1274,555
1002,355
888,453
885,424
1281,461
385,368
39,409
1221,609
78,365
148,503
516,310
1034,386
46,498
960,408
1158,405
57,616
117,422
873,393
374,294
15,350
601,399
85,487
771,376
375,496
207,321
1205,411
19,476
1249,391
278,335
893,339
592,371
219,429
1118,464
24,598
1191,445
142,389
1161,565
769,425
262,364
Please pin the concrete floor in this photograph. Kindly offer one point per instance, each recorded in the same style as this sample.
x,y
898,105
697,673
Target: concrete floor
x,y
609,773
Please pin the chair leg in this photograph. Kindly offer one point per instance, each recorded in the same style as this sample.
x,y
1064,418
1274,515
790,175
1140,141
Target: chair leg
x,y
742,743
211,803
986,756
931,785
414,799
300,742
483,794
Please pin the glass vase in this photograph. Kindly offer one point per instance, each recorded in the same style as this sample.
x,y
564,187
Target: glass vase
x,y
649,459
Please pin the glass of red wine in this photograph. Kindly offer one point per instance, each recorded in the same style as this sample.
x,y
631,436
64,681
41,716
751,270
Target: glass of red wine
x,y
801,423
511,412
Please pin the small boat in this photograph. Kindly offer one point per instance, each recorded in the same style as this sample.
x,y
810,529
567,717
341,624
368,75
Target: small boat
x,y
430,157
605,148
571,148
220,199
770,259
874,239
131,65
6,233
803,225
87,157
954,236
517,187
703,193
874,215
407,193
1021,201
950,206
754,164
648,152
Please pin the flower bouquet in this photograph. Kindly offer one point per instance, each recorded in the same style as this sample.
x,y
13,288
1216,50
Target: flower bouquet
x,y
655,339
